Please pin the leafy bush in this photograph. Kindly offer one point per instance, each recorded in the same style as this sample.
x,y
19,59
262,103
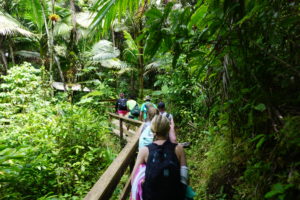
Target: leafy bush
x,y
48,150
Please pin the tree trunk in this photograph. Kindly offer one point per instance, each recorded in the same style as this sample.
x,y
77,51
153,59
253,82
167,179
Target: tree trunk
x,y
4,61
48,41
60,73
12,53
132,81
3,56
141,73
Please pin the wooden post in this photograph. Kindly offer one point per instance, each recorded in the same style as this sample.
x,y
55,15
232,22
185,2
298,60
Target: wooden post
x,y
121,132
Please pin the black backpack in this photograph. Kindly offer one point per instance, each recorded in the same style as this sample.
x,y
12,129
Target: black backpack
x,y
135,111
162,178
122,104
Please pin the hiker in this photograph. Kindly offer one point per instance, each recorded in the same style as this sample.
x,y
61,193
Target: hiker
x,y
162,111
146,134
121,107
160,170
133,108
145,106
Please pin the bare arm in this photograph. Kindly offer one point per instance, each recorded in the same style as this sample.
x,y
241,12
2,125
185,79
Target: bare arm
x,y
180,155
184,176
172,133
141,158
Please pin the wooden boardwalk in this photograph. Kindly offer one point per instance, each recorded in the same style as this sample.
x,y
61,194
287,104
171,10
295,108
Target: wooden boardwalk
x,y
107,183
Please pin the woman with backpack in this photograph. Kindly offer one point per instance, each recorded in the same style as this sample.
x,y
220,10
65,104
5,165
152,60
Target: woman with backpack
x,y
164,164
121,107
145,106
133,108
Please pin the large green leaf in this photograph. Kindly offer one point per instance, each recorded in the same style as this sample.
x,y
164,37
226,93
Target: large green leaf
x,y
198,16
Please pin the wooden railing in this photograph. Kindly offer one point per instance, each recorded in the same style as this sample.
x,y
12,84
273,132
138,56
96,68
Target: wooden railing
x,y
105,186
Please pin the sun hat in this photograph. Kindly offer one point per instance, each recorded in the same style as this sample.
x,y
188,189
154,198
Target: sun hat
x,y
147,98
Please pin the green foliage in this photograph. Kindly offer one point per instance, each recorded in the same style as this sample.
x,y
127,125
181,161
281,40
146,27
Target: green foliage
x,y
109,10
21,86
228,70
97,99
278,190
226,82
55,151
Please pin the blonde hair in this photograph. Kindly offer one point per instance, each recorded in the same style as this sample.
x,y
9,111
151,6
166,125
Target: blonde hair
x,y
160,125
151,112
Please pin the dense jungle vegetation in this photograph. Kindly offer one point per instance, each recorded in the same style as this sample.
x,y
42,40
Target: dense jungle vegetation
x,y
228,70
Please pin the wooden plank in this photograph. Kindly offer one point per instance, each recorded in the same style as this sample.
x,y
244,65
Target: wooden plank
x,y
107,183
126,119
131,130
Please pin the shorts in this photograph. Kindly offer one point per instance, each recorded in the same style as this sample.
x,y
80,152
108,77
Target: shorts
x,y
122,112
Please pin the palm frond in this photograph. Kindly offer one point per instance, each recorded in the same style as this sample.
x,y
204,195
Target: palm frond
x,y
130,42
131,51
104,50
124,70
109,10
28,54
159,64
84,19
35,13
113,63
10,26
62,29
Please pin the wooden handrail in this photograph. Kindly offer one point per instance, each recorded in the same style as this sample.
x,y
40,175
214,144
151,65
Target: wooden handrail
x,y
104,187
126,119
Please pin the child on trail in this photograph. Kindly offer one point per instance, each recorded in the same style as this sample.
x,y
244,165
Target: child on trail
x,y
145,106
163,164
121,107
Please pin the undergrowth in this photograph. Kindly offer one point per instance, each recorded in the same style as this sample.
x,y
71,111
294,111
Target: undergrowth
x,y
49,148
